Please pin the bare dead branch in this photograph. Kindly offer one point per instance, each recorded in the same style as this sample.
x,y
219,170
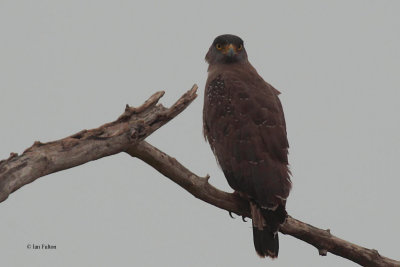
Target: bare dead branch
x,y
199,187
127,134
131,127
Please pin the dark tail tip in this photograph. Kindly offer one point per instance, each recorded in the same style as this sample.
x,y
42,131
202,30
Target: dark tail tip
x,y
266,242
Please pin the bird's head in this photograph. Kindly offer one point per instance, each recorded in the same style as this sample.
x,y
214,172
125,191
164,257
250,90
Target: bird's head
x,y
226,49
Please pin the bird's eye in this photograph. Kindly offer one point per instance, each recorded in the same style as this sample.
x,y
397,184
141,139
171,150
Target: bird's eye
x,y
219,46
240,47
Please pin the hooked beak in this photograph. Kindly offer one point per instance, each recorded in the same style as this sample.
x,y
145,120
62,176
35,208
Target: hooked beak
x,y
230,50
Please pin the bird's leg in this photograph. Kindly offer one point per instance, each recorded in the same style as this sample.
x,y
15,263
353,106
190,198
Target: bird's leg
x,y
241,195
237,194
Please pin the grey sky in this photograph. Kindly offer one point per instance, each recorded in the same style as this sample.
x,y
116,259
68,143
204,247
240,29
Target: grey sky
x,y
72,65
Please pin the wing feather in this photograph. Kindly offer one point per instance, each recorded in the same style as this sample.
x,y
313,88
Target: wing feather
x,y
244,123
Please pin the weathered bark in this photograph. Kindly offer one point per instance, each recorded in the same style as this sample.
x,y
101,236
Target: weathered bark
x,y
199,187
131,127
126,134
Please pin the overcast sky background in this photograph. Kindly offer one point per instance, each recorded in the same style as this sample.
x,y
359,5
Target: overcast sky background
x,y
72,65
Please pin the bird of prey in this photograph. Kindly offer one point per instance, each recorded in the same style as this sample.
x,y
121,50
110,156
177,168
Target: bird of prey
x,y
243,122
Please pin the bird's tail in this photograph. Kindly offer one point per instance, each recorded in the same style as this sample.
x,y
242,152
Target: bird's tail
x,y
265,229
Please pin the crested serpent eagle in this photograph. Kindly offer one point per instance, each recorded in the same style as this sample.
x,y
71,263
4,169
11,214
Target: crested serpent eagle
x,y
244,124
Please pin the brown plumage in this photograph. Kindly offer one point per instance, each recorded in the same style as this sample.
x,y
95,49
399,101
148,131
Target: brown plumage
x,y
244,123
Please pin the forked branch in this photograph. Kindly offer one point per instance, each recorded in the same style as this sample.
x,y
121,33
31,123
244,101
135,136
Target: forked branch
x,y
134,125
126,134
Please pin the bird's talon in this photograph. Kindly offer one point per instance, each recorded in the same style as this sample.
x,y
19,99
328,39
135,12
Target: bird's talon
x,y
230,214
